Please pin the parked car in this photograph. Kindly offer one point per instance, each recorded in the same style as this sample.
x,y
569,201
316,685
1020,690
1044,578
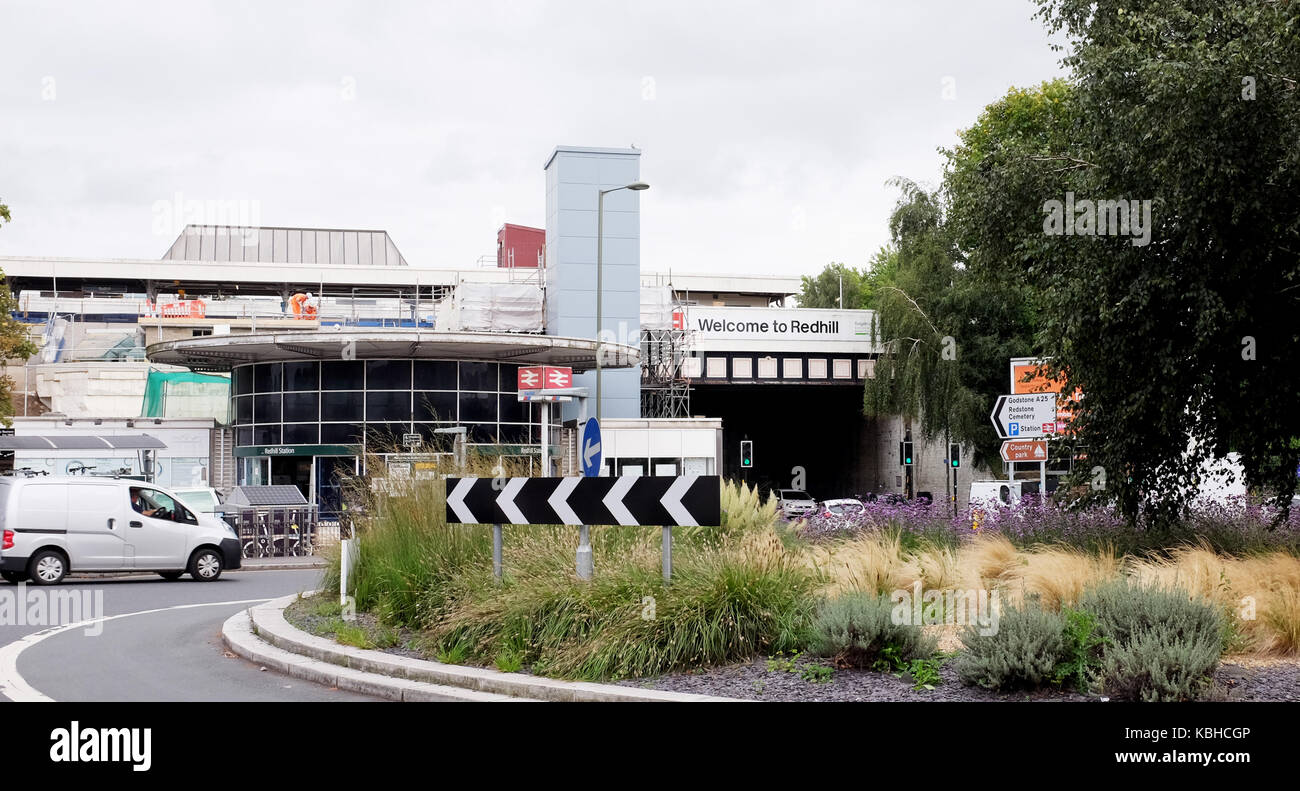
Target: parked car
x,y
989,493
796,503
52,526
203,499
844,506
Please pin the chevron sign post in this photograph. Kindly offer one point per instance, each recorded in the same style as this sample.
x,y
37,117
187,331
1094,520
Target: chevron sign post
x,y
669,501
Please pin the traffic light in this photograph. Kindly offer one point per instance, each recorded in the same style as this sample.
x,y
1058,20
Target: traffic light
x,y
905,453
746,453
954,454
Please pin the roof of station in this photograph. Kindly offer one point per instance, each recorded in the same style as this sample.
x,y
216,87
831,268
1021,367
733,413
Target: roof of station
x,y
274,245
223,352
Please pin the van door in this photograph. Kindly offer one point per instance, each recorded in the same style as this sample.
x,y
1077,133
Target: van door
x,y
97,532
159,529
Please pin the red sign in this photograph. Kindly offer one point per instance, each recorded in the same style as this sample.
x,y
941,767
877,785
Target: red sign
x,y
1024,450
679,319
537,377
557,378
530,378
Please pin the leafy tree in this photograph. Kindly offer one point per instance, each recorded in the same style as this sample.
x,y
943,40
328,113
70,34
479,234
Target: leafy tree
x,y
1190,339
963,275
823,290
14,340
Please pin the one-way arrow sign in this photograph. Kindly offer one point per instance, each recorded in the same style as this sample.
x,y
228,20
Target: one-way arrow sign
x,y
624,500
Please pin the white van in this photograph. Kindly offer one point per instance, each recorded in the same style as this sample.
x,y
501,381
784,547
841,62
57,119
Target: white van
x,y
53,526
990,493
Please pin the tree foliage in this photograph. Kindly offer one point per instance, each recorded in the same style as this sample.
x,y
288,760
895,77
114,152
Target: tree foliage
x,y
860,286
1192,339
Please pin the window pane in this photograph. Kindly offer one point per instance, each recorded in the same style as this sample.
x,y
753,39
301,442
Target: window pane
x,y
435,375
302,376
301,434
483,433
512,410
340,433
509,378
434,441
266,378
478,406
385,437
266,435
388,406
478,376
266,408
300,407
244,409
244,436
341,406
341,375
388,374
512,434
242,379
435,406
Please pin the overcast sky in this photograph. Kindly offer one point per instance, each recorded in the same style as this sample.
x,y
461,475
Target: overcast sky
x,y
767,135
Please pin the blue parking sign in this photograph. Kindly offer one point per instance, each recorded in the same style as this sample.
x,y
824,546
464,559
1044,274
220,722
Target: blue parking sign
x,y
1013,429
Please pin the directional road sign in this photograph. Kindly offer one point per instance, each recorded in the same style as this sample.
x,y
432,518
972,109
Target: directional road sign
x,y
624,500
1024,450
1026,416
589,449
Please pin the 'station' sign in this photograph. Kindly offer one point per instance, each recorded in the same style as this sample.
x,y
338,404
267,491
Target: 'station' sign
x,y
626,500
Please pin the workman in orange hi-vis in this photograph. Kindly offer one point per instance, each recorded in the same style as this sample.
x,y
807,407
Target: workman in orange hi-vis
x,y
309,307
296,303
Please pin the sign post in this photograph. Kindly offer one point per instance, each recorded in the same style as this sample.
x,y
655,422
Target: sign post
x,y
668,501
590,450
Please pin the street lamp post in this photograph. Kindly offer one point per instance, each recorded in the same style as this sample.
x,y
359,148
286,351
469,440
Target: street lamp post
x,y
584,533
636,186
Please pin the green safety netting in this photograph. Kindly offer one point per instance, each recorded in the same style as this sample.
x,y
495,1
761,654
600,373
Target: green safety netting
x,y
186,394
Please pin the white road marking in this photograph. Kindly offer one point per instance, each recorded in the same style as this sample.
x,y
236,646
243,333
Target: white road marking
x,y
16,688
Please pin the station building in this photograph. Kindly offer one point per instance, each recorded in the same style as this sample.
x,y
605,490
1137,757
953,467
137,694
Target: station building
x,y
391,359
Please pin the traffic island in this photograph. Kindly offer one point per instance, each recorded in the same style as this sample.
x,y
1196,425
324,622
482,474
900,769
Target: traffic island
x,y
261,634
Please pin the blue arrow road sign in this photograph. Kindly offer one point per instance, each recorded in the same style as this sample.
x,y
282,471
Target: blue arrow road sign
x,y
589,449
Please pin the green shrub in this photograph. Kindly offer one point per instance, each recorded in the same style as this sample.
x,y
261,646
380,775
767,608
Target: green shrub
x,y
858,630
1083,650
1124,609
1160,644
1023,653
1157,666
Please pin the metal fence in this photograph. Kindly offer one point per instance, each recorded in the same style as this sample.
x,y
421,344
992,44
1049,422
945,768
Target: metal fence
x,y
276,531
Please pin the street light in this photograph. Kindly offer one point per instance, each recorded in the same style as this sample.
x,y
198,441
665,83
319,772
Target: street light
x,y
635,186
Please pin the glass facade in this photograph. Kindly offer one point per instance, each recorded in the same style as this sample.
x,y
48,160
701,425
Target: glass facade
x,y
345,402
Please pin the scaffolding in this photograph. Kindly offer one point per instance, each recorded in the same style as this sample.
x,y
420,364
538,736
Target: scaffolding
x,y
665,391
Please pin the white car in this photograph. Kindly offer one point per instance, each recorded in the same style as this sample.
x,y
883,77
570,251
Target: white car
x,y
796,503
845,506
52,526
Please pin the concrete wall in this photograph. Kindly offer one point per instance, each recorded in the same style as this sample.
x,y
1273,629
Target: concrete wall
x,y
930,470
574,177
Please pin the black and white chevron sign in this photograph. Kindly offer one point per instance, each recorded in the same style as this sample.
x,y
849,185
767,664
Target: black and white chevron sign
x,y
624,500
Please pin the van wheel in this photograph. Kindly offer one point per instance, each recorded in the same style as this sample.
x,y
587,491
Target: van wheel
x,y
13,576
205,566
47,567
170,575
